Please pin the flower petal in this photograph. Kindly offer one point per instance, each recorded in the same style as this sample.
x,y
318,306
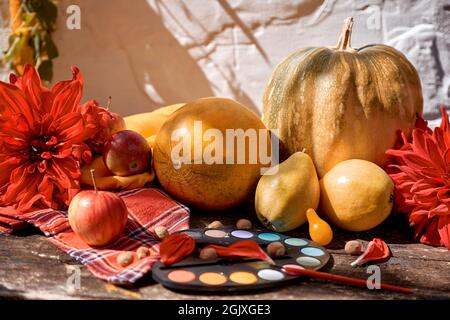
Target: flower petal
x,y
31,85
13,101
444,230
61,85
431,235
67,95
69,127
7,165
23,187
444,122
439,210
67,101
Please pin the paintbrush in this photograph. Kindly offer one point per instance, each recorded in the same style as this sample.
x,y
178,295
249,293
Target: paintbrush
x,y
297,270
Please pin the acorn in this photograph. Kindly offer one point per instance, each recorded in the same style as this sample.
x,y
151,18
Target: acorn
x,y
244,224
161,232
208,254
142,252
125,258
353,247
215,225
276,249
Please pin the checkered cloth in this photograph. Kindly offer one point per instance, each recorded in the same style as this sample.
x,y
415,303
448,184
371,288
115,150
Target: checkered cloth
x,y
147,209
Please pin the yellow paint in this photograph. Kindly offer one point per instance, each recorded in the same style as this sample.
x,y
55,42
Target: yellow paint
x,y
243,277
212,278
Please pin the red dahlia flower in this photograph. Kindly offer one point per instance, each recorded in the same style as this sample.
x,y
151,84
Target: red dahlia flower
x,y
422,181
42,134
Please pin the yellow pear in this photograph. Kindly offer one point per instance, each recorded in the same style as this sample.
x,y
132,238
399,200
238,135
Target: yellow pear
x,y
356,195
286,191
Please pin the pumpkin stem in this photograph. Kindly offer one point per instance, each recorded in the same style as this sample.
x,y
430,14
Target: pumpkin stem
x,y
108,103
344,43
93,180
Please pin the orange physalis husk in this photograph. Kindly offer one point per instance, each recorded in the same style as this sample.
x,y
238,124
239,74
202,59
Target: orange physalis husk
x,y
377,251
176,247
244,248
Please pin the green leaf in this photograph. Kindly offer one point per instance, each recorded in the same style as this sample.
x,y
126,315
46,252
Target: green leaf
x,y
29,18
37,46
50,47
13,37
33,5
14,49
45,69
47,13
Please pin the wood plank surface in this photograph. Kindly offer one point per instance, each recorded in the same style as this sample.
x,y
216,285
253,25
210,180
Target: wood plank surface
x,y
32,268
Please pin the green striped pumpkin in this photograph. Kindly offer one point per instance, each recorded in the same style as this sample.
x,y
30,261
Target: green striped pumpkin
x,y
342,103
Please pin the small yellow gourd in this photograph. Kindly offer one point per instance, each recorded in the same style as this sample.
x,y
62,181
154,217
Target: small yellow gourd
x,y
319,230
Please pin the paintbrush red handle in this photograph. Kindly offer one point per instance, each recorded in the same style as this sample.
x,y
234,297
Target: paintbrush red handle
x,y
342,279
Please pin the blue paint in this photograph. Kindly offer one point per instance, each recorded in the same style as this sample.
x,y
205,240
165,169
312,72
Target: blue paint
x,y
242,234
314,252
296,242
269,236
308,261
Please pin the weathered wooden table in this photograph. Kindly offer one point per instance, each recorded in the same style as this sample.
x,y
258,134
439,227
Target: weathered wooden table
x,y
32,268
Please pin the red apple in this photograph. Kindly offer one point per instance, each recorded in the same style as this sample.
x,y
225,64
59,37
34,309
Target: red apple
x,y
97,217
127,153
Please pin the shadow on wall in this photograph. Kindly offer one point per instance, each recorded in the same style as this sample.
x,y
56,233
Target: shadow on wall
x,y
229,77
125,51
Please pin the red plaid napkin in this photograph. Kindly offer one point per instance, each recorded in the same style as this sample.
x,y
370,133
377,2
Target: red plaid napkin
x,y
147,209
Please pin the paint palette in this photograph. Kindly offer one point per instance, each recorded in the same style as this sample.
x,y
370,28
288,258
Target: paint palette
x,y
195,274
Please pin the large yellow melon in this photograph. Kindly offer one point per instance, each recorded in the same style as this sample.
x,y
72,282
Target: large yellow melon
x,y
204,179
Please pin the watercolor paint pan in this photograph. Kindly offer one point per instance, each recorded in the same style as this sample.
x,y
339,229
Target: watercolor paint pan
x,y
195,274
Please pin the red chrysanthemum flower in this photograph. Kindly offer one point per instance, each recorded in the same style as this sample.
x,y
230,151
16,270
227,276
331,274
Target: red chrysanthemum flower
x,y
42,136
421,175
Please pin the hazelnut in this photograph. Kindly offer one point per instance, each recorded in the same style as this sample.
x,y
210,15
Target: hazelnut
x,y
215,224
276,249
124,259
244,224
208,254
142,252
161,232
353,247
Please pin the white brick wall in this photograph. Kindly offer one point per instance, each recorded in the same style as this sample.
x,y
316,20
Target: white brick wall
x,y
147,53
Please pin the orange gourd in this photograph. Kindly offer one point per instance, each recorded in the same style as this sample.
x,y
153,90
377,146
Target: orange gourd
x,y
319,230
